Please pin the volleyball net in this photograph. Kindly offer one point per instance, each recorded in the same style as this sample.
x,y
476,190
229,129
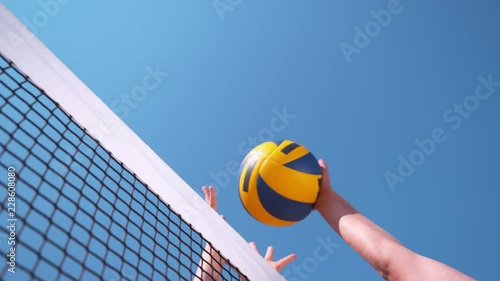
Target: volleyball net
x,y
83,203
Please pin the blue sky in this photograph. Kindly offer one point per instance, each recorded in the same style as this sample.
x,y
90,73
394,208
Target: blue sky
x,y
357,92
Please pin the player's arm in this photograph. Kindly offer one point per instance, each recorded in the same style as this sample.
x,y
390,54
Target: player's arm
x,y
210,266
382,251
211,263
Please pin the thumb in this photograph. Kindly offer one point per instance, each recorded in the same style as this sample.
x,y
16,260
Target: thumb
x,y
324,172
279,265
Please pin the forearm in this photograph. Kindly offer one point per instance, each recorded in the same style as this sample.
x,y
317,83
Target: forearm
x,y
369,240
210,266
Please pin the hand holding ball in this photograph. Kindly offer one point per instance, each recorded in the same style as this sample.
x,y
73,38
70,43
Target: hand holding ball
x,y
279,182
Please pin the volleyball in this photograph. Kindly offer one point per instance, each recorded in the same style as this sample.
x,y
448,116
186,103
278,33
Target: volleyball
x,y
279,182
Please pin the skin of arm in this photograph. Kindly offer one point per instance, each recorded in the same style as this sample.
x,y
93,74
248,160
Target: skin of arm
x,y
211,263
383,252
210,266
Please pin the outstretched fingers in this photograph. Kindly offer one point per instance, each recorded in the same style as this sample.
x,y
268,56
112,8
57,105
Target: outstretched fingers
x,y
280,264
213,197
254,246
269,254
269,257
210,196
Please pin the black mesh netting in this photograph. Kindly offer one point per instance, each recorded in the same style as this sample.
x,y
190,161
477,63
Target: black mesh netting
x,y
79,213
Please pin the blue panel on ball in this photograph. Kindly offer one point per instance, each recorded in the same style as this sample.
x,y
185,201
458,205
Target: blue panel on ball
x,y
289,148
306,164
251,164
281,207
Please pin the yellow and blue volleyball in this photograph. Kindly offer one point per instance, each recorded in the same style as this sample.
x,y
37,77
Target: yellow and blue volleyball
x,y
279,182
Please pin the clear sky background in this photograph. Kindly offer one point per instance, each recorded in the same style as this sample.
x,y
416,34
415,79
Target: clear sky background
x,y
358,101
